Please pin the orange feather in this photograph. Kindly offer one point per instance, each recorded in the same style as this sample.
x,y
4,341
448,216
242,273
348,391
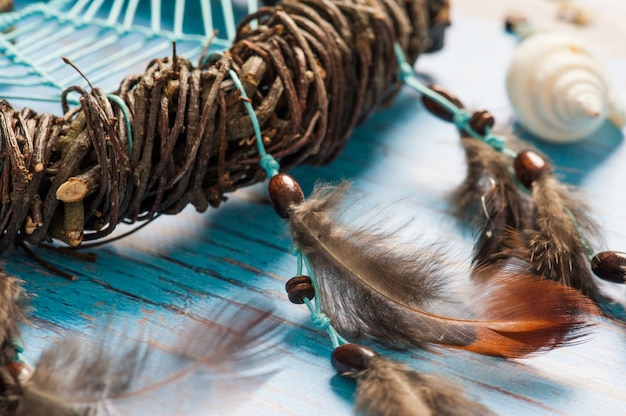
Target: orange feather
x,y
523,313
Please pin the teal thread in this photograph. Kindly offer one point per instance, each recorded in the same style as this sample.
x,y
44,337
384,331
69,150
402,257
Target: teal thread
x,y
272,167
19,350
179,13
207,18
268,163
122,105
322,321
298,253
319,318
461,117
229,19
62,18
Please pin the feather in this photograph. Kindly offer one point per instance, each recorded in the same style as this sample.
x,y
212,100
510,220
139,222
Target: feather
x,y
555,248
490,199
12,300
12,314
558,313
79,379
388,387
547,227
372,286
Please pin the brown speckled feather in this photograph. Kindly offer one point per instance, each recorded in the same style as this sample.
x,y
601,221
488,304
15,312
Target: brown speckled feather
x,y
372,286
389,388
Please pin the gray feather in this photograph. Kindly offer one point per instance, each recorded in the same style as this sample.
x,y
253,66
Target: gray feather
x,y
12,314
554,243
388,388
74,377
369,284
12,300
491,200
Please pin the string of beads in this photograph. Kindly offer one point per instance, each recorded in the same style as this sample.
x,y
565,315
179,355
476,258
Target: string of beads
x,y
528,165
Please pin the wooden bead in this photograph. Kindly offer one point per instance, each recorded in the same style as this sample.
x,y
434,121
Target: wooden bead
x,y
19,371
610,265
351,358
481,121
529,167
437,109
298,288
284,191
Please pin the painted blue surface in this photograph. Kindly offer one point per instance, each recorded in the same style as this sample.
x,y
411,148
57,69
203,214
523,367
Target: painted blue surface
x,y
240,253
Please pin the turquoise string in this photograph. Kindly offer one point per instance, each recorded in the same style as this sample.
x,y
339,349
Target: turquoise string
x,y
122,105
461,117
19,350
267,162
272,167
61,21
319,318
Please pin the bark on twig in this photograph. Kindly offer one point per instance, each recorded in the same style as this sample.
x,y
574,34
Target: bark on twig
x,y
312,69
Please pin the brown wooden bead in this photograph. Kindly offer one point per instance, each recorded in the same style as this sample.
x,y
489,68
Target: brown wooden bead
x,y
284,191
437,109
298,288
610,265
350,358
529,167
481,121
19,371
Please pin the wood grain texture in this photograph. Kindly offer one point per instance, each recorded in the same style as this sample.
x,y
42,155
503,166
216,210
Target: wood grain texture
x,y
240,252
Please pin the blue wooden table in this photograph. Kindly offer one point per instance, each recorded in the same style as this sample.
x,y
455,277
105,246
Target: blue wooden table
x,y
239,254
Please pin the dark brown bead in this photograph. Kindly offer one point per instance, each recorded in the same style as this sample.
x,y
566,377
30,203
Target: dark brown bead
x,y
529,167
298,288
18,370
284,191
610,265
481,121
437,109
350,358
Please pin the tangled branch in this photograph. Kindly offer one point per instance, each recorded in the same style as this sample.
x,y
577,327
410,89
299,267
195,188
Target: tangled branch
x,y
313,70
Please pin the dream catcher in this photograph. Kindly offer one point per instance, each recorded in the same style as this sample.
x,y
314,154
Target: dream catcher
x,y
287,89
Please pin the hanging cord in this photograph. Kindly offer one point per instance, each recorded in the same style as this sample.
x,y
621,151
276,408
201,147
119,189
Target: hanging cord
x,y
460,116
272,168
462,119
572,258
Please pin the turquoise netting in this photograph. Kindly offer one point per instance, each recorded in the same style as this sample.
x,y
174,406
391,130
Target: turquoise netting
x,y
106,39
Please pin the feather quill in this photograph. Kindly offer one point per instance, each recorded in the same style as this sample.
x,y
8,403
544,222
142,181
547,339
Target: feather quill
x,y
389,388
80,379
371,286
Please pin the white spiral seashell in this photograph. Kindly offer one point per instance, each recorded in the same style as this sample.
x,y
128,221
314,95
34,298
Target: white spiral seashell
x,y
558,91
